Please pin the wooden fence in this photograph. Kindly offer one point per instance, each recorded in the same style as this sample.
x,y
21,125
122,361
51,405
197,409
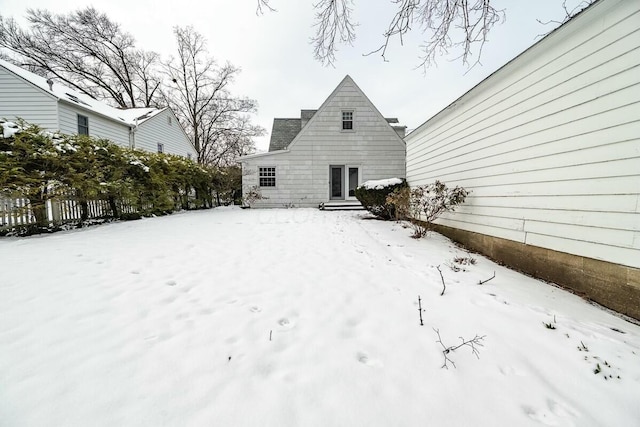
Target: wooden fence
x,y
18,213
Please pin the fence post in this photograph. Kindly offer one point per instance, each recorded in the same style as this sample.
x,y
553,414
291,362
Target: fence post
x,y
56,217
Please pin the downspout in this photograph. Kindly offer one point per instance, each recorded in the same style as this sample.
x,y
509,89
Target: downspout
x,y
132,135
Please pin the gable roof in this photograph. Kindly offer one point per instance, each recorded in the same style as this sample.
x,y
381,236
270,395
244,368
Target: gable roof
x,y
129,117
300,124
284,131
347,79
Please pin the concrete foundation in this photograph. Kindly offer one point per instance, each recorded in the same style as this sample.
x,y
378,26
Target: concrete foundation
x,y
614,286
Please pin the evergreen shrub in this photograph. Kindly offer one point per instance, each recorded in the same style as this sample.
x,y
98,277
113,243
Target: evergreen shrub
x,y
373,196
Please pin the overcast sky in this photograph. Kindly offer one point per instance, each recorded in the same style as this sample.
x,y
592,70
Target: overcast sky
x,y
278,69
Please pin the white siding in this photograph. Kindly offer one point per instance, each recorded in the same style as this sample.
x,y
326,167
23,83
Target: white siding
x,y
19,99
549,145
157,129
302,173
99,126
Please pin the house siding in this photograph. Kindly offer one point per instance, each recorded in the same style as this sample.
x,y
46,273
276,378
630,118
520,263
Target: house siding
x,y
19,99
302,173
549,144
99,127
157,129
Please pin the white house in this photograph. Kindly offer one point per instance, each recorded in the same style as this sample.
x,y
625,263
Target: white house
x,y
549,146
54,107
323,155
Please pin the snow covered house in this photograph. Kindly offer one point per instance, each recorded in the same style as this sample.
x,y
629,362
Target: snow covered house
x,y
54,107
325,154
549,146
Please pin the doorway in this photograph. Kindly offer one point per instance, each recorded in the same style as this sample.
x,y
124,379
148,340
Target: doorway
x,y
343,181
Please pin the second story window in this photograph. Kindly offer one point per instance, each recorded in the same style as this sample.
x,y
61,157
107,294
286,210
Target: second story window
x,y
347,120
83,125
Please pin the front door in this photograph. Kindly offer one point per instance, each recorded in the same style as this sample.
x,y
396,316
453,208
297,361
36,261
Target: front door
x,y
336,182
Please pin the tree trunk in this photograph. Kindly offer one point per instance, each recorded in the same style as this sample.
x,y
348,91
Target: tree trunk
x,y
114,207
84,210
38,202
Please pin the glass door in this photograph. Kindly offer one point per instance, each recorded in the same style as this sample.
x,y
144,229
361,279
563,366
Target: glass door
x,y
336,184
353,181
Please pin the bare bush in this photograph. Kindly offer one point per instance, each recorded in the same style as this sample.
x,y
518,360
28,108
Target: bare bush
x,y
428,202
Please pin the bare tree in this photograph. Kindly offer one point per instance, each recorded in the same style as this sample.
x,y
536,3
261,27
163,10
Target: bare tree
x,y
86,51
568,14
333,24
458,26
199,93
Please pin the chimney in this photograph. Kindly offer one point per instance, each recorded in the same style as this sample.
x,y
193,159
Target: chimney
x,y
305,116
50,83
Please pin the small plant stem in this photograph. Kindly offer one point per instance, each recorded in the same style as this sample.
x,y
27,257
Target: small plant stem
x,y
420,310
444,287
482,282
270,332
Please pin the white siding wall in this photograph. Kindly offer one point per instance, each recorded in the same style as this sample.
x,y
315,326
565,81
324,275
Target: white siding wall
x,y
550,144
19,99
157,129
302,175
99,127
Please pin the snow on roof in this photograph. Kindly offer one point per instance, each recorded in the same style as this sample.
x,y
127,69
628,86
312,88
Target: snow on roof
x,y
71,96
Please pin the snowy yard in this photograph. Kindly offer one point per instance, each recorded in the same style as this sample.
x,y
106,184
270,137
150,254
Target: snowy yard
x,y
294,318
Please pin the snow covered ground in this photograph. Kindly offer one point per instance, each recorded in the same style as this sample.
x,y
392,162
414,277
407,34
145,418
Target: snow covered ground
x,y
294,317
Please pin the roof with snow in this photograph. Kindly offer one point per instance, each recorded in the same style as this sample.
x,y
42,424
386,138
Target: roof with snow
x,y
129,116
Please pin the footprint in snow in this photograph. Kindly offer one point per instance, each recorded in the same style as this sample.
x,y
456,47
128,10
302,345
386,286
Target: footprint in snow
x,y
366,360
171,283
510,370
285,324
255,309
554,414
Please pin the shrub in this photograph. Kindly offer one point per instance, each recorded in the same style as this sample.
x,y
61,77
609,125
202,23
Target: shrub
x,y
41,166
373,196
399,199
428,202
251,195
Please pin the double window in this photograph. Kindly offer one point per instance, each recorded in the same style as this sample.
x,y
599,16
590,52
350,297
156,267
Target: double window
x,y
267,176
347,120
83,125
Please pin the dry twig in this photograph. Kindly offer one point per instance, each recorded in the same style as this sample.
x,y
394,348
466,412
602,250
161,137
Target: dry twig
x,y
473,344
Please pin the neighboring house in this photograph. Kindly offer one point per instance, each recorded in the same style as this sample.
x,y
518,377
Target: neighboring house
x,y
323,155
54,107
549,146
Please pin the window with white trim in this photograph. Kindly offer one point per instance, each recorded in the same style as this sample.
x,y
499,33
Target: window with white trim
x,y
267,176
160,147
347,120
83,125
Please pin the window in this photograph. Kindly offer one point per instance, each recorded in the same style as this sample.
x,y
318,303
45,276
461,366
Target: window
x,y
267,176
347,120
169,121
160,147
188,156
83,125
